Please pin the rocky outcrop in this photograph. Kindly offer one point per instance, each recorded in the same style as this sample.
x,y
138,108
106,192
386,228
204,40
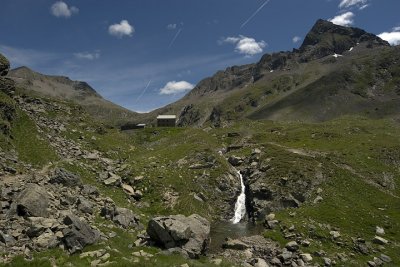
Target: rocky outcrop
x,y
191,234
4,65
326,38
189,115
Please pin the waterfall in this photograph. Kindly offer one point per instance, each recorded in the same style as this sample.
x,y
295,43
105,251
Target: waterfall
x,y
240,206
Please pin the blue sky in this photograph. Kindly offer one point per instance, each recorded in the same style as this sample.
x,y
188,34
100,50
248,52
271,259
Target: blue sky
x,y
145,54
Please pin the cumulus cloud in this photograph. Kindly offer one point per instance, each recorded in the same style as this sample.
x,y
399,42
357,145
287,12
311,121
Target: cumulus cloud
x,y
171,26
121,29
345,19
392,37
361,4
88,55
296,39
175,87
61,9
245,45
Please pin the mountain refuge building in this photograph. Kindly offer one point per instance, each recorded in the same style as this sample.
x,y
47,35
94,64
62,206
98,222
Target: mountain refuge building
x,y
166,120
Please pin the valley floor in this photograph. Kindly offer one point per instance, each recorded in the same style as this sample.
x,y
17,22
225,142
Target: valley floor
x,y
328,186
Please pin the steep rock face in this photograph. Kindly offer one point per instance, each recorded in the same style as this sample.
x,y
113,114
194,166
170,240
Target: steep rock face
x,y
224,80
326,38
7,105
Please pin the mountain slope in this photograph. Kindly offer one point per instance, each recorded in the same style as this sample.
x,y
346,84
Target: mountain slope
x,y
62,88
298,85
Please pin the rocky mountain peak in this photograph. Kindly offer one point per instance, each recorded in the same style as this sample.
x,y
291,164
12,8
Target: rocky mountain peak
x,y
326,38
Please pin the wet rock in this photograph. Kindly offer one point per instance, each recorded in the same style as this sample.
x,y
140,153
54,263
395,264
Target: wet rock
x,y
189,233
79,234
64,177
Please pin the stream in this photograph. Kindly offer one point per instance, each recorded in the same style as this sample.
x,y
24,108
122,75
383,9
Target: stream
x,y
235,227
240,206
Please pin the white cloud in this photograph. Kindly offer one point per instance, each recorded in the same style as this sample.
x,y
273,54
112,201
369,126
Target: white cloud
x,y
392,37
175,87
171,26
245,45
61,9
396,29
361,4
87,55
296,39
121,29
345,19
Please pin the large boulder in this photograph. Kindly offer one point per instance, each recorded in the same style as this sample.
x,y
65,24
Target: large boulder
x,y
4,65
79,234
33,201
64,177
191,234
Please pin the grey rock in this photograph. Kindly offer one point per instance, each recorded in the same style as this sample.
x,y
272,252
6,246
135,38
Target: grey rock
x,y
380,240
235,244
292,246
64,177
327,261
46,240
121,216
385,258
380,231
260,263
7,239
85,205
235,161
112,179
90,190
33,201
79,234
189,233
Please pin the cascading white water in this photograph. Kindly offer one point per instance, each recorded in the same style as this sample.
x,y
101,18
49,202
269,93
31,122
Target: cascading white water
x,y
240,206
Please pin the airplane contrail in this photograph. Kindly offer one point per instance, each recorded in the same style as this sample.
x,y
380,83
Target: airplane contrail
x,y
173,40
254,14
144,91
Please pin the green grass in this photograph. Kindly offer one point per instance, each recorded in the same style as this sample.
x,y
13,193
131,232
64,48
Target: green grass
x,y
30,146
